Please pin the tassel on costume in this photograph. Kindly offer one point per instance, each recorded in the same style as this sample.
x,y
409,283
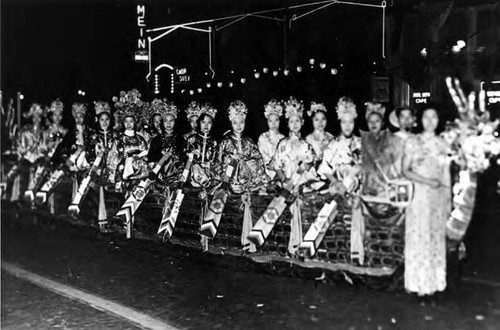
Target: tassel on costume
x,y
357,234
295,227
102,216
247,224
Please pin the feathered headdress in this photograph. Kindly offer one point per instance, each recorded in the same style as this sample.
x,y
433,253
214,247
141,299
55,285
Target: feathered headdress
x,y
101,107
346,109
315,107
209,110
193,109
293,107
56,107
35,110
237,109
273,107
78,108
129,104
374,107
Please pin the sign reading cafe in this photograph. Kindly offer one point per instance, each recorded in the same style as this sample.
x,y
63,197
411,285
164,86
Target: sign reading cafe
x,y
141,53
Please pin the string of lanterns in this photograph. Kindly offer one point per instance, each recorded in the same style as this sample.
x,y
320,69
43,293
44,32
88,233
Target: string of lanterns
x,y
257,74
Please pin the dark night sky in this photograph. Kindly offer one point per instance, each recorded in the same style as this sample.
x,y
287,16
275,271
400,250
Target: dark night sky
x,y
52,48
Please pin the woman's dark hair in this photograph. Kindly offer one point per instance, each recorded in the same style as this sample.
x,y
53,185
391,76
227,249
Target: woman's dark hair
x,y
152,127
435,107
111,123
200,119
404,108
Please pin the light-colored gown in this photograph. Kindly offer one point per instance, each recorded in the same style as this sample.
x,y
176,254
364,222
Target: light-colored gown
x,y
319,142
425,238
267,144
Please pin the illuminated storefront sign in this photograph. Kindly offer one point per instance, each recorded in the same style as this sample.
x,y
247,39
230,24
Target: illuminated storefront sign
x,y
493,93
141,53
421,97
182,75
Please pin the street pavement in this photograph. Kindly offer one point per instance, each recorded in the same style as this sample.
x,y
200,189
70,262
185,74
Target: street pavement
x,y
192,290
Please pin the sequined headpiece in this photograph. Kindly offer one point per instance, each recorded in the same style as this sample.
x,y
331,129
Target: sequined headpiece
x,y
273,107
346,109
374,107
293,107
237,109
315,107
35,110
193,109
56,107
101,107
209,110
129,104
78,108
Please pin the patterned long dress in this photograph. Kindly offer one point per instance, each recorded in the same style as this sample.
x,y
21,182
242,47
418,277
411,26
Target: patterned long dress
x,y
425,238
250,172
126,160
267,146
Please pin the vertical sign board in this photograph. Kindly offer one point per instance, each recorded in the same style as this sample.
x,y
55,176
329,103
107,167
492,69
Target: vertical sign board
x,y
141,53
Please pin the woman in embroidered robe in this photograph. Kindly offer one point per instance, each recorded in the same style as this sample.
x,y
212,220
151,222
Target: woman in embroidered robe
x,y
169,142
204,148
294,156
341,165
426,164
319,138
268,141
342,157
250,171
99,145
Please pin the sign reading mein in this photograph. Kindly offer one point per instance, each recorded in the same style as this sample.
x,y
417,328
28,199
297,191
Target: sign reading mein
x,y
141,53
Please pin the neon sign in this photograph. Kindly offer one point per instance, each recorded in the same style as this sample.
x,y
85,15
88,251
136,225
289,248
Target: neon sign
x,y
141,54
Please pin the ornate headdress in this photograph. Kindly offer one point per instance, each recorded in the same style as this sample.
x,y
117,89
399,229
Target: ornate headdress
x,y
293,107
374,107
101,107
56,107
346,109
193,109
273,107
35,110
315,107
162,108
78,108
129,104
237,109
209,110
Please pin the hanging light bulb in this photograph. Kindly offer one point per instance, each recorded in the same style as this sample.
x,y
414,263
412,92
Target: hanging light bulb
x,y
461,44
219,84
256,75
312,61
322,65
423,52
200,90
183,91
334,71
243,80
209,85
265,70
191,92
231,85
299,69
275,73
286,72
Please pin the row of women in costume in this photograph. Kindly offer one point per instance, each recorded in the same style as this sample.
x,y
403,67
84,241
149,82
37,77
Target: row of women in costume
x,y
123,156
